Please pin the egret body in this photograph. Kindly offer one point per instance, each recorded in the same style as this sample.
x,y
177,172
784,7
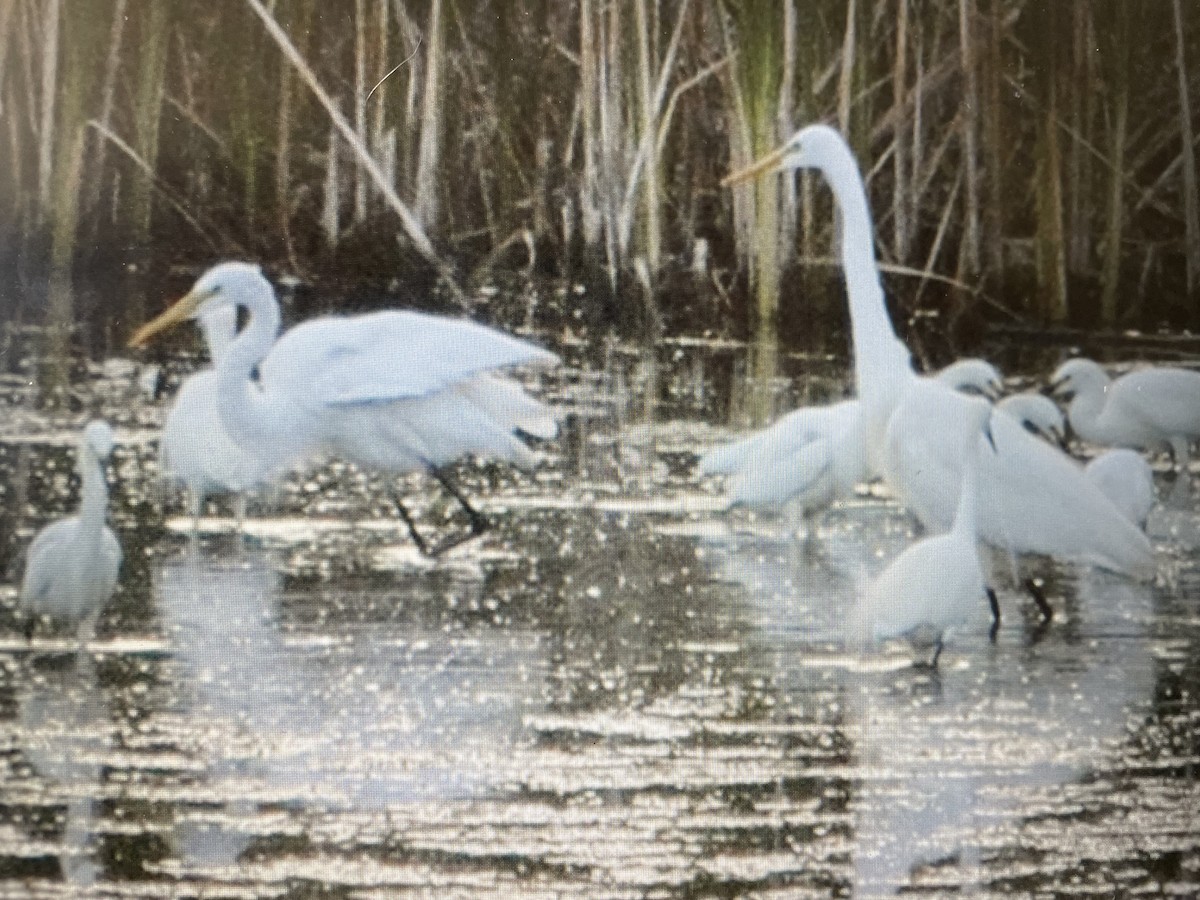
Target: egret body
x,y
72,566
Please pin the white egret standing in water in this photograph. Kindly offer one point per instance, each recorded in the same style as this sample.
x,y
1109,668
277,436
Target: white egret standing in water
x,y
1038,414
72,566
195,449
1032,498
396,391
814,456
1144,410
935,584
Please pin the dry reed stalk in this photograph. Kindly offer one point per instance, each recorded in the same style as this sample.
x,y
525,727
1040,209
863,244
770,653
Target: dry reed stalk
x,y
1191,204
49,85
408,220
432,104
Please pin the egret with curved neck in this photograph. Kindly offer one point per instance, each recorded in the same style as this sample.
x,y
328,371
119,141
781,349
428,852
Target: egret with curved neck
x,y
397,391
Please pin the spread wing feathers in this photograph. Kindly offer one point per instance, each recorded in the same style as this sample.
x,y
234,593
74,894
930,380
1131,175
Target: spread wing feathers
x,y
779,440
432,431
1167,399
507,404
386,356
803,473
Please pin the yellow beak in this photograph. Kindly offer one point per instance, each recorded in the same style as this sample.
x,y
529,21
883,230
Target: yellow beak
x,y
769,163
180,311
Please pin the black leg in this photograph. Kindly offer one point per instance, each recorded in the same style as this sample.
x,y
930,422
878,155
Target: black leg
x,y
1040,599
30,625
995,605
479,523
937,652
412,528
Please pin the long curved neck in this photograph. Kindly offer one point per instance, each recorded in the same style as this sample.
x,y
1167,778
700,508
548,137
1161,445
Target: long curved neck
x,y
878,353
246,412
93,496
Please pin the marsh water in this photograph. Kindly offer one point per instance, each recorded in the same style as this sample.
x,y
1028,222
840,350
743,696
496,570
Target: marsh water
x,y
617,691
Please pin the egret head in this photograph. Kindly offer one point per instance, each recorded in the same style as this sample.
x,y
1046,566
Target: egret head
x,y
1037,415
812,147
973,376
98,437
1077,376
225,285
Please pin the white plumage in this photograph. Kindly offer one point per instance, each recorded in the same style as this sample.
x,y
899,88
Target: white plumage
x,y
937,583
1144,410
1127,480
1032,497
195,449
72,565
397,391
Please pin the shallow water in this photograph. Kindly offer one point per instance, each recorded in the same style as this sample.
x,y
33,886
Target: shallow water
x,y
616,692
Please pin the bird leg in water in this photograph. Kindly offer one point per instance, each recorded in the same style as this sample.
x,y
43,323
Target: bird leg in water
x,y
1040,599
995,605
412,527
479,522
937,652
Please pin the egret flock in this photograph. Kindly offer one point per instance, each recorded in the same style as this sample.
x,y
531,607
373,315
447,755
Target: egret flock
x,y
401,392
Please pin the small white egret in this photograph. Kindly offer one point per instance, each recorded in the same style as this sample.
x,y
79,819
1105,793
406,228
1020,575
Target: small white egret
x,y
935,584
1122,475
1033,498
1144,410
1038,414
396,391
72,566
195,449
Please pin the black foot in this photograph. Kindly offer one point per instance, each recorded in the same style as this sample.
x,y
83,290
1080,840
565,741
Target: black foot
x,y
995,605
1040,599
30,626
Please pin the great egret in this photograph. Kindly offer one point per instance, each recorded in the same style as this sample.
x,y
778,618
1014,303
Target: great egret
x,y
396,391
1144,410
814,455
195,448
1032,497
936,583
72,565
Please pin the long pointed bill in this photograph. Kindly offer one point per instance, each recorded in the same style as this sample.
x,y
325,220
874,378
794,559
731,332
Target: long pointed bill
x,y
180,311
769,163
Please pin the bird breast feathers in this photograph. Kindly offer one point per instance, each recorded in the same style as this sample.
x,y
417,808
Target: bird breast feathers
x,y
385,356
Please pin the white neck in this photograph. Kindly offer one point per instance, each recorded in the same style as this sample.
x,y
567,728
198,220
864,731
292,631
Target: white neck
x,y
964,514
93,495
246,411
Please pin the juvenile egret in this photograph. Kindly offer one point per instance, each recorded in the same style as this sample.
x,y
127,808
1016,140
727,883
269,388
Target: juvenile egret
x,y
1144,410
71,570
1032,497
195,448
935,584
397,391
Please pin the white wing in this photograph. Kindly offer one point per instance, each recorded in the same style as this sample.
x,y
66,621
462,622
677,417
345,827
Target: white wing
x,y
1166,399
386,356
778,441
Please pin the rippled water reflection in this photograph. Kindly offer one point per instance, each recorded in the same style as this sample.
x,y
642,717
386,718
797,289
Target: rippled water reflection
x,y
616,693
